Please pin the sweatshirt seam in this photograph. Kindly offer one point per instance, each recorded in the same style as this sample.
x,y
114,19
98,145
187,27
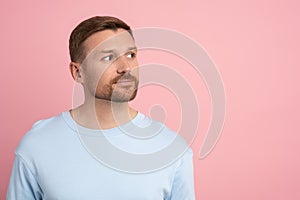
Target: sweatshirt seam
x,y
27,166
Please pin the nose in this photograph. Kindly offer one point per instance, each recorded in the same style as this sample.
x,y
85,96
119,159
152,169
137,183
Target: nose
x,y
123,65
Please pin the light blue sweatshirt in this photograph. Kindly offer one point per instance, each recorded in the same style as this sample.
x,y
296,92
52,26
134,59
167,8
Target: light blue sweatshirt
x,y
53,162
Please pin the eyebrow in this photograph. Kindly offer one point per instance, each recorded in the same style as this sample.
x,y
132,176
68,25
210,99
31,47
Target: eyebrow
x,y
113,50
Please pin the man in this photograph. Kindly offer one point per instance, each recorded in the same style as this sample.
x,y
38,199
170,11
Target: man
x,y
73,155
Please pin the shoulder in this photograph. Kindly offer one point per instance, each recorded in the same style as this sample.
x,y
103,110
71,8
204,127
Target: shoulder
x,y
161,129
161,136
40,132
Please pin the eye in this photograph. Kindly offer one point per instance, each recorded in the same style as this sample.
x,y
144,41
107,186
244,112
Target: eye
x,y
107,58
131,55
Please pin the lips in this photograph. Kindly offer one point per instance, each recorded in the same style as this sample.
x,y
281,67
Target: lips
x,y
125,82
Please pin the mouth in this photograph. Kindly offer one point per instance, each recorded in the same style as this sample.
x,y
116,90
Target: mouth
x,y
125,83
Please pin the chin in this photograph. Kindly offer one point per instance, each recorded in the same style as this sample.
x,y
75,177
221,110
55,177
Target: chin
x,y
122,98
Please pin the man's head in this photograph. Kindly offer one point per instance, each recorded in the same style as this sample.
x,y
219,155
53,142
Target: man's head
x,y
103,58
87,28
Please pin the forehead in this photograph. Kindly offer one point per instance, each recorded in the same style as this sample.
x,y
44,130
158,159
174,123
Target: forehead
x,y
119,40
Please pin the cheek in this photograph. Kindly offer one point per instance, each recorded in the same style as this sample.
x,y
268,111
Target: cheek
x,y
135,72
104,76
94,77
135,66
99,75
102,79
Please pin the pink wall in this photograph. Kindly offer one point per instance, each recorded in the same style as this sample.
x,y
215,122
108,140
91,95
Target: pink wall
x,y
255,45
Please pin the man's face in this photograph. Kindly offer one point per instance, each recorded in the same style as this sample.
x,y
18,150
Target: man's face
x,y
110,68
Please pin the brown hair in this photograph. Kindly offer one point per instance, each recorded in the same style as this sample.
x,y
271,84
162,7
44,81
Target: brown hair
x,y
88,27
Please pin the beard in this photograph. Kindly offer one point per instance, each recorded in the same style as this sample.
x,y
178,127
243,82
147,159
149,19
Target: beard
x,y
116,92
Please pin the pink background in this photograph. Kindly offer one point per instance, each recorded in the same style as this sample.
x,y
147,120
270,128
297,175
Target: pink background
x,y
255,45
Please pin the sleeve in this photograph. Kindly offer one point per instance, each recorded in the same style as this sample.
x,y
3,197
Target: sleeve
x,y
183,182
23,184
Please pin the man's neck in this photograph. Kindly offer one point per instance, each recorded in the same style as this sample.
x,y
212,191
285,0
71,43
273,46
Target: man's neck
x,y
103,114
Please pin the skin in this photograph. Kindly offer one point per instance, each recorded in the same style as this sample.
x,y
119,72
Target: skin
x,y
109,76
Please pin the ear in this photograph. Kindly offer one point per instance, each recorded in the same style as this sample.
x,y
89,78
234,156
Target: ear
x,y
75,72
